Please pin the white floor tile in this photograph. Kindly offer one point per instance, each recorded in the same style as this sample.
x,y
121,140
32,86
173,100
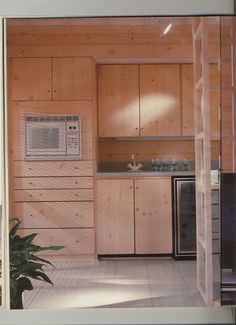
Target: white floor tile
x,y
117,283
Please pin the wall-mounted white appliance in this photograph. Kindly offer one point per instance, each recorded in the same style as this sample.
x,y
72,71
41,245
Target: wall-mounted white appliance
x,y
52,137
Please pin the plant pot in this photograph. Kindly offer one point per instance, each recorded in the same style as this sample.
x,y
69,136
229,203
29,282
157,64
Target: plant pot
x,y
17,301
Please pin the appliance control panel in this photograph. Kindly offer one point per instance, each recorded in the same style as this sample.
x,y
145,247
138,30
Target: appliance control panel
x,y
73,139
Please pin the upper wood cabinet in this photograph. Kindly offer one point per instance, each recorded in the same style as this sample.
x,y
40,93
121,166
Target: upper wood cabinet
x,y
153,217
187,92
31,79
118,100
139,100
160,110
52,79
72,78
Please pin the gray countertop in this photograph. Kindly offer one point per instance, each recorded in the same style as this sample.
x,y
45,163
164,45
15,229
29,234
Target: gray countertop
x,y
145,174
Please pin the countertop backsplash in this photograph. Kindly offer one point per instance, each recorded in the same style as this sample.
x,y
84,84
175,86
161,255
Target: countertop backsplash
x,y
148,166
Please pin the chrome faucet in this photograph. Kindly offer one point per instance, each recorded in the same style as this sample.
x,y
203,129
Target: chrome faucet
x,y
133,165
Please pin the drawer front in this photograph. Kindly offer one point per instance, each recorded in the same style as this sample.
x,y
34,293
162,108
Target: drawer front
x,y
28,183
53,195
75,241
55,214
53,168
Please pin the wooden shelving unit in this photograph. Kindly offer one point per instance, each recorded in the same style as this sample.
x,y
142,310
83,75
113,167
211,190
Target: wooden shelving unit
x,y
203,158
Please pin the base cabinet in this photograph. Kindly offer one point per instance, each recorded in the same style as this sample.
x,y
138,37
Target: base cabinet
x,y
134,216
115,217
153,221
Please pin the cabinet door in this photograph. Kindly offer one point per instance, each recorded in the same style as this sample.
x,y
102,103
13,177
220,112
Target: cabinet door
x,y
115,217
187,92
31,79
153,217
72,78
160,100
118,100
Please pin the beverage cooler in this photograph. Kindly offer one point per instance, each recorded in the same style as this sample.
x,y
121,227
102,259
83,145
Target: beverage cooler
x,y
184,217
228,238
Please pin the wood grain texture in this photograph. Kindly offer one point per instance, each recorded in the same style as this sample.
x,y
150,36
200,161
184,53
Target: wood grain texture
x,y
26,183
113,40
113,150
187,105
72,78
20,109
153,216
55,214
228,110
53,168
53,195
214,76
115,216
118,100
31,79
160,100
75,241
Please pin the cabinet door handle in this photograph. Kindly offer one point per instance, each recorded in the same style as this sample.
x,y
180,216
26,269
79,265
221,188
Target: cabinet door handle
x,y
137,209
137,187
131,187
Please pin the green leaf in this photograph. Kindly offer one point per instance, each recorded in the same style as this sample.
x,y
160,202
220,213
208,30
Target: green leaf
x,y
24,284
28,239
36,258
14,229
36,248
29,267
41,276
24,264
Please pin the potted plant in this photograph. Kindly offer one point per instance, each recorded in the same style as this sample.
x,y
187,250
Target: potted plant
x,y
25,264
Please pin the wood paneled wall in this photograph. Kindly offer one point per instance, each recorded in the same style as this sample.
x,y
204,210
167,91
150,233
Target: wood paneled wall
x,y
111,150
228,95
121,40
54,198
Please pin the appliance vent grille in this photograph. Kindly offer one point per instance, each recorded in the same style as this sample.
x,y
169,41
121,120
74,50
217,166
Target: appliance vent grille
x,y
52,118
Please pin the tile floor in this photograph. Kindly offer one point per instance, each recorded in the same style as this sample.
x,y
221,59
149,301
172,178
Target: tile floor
x,y
117,283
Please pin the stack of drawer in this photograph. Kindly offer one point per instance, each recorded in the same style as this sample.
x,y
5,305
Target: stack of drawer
x,y
55,199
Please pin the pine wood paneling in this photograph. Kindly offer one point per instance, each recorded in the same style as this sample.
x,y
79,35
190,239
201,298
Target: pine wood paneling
x,y
227,150
75,241
112,52
17,124
187,99
53,168
26,183
115,216
31,79
227,74
118,100
113,150
55,214
214,75
153,216
53,195
72,78
160,100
